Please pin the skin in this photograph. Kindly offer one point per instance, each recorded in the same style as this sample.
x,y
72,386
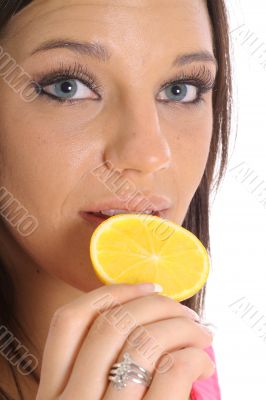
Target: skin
x,y
51,267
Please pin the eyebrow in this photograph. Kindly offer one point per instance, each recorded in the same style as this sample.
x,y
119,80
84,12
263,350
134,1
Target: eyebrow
x,y
200,56
91,49
102,53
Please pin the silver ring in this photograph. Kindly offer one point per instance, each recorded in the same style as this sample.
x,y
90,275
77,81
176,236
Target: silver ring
x,y
128,370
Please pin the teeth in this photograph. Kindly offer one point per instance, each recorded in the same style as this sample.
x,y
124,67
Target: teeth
x,y
110,213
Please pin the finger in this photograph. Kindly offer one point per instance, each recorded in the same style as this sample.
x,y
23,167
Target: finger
x,y
106,337
68,327
175,383
146,344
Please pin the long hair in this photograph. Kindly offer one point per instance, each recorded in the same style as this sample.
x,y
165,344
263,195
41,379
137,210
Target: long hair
x,y
197,217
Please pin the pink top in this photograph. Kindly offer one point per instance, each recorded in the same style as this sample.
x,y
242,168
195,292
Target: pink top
x,y
207,389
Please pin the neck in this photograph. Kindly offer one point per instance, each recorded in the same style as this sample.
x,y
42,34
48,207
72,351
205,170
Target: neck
x,y
37,295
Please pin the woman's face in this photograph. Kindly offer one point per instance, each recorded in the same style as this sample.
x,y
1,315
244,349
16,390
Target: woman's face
x,y
118,108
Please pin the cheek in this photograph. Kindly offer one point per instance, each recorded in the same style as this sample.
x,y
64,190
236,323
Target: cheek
x,y
45,169
35,166
196,150
43,156
189,134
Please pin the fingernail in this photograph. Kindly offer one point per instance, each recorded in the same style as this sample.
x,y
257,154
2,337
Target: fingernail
x,y
191,313
150,287
157,287
206,329
209,325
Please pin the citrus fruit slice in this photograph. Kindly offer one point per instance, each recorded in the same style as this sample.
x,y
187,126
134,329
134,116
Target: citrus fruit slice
x,y
136,248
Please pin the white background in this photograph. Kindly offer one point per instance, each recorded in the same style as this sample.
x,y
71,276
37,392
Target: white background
x,y
236,292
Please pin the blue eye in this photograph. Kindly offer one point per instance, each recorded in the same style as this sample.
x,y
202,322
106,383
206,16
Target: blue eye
x,y
68,89
181,92
71,83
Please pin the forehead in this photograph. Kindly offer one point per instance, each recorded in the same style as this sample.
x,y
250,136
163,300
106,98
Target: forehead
x,y
141,23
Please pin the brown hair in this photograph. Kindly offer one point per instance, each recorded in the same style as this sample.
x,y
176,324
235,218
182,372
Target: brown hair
x,y
197,217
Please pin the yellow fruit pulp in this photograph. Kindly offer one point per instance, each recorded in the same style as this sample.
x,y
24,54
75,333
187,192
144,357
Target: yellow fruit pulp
x,y
135,248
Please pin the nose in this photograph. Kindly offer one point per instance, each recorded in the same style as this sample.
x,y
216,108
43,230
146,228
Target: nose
x,y
139,144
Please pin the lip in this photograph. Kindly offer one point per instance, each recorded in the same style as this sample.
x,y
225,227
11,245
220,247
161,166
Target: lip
x,y
96,220
93,220
151,202
158,204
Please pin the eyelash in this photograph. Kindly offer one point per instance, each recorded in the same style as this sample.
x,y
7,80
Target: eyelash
x,y
61,73
200,77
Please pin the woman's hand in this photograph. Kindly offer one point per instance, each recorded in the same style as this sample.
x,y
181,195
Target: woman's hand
x,y
86,337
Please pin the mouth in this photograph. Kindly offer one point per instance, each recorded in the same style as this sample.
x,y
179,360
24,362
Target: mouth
x,y
155,205
97,217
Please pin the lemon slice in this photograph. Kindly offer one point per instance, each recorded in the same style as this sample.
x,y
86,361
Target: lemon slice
x,y
136,248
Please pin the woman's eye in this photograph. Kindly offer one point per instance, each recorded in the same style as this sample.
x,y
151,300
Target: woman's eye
x,y
69,89
181,92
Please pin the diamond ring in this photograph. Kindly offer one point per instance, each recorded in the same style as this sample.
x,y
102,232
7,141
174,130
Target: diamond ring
x,y
128,370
